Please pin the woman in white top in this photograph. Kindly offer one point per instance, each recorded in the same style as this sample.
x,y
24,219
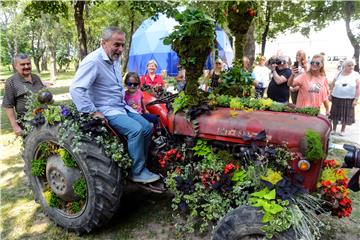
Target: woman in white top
x,y
344,90
261,74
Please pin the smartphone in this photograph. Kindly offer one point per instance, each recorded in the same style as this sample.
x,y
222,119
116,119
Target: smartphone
x,y
296,64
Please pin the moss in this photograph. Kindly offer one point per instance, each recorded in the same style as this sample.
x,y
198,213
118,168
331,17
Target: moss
x,y
80,188
67,158
75,207
314,149
51,199
38,167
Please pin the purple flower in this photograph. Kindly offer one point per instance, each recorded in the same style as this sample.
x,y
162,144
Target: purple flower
x,y
65,111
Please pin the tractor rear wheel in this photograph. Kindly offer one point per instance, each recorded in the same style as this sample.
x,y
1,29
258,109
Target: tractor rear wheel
x,y
244,223
100,176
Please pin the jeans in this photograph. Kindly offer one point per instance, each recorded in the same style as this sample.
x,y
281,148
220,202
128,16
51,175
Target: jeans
x,y
138,132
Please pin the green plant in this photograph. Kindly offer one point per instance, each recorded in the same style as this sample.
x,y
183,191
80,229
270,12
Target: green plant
x,y
272,176
265,200
51,199
305,214
52,114
236,82
276,215
75,207
239,16
180,102
239,176
38,167
192,40
77,126
79,187
67,158
314,150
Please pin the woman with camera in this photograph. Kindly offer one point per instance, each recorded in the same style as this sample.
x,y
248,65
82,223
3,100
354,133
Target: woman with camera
x,y
345,90
278,89
313,84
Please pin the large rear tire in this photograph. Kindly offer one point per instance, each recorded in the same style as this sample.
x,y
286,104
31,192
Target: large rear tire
x,y
102,176
244,223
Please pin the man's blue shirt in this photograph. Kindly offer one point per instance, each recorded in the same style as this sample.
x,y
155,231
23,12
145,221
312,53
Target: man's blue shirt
x,y
97,85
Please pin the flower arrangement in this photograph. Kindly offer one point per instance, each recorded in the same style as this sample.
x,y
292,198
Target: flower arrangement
x,y
213,183
333,189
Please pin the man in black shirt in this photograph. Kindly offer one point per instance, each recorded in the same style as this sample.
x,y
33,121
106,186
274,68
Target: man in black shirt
x,y
17,87
278,89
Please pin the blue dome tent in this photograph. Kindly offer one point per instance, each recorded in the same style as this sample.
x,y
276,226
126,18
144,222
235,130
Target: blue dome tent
x,y
147,43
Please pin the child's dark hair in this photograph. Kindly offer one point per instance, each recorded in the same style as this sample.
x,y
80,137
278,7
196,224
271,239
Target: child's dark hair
x,y
132,74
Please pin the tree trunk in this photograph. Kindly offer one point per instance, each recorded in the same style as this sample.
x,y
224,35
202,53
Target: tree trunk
x,y
80,27
52,64
44,62
349,10
35,51
266,30
240,39
37,64
249,49
8,42
132,25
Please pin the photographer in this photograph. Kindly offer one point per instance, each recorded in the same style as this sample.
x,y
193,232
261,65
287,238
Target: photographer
x,y
278,89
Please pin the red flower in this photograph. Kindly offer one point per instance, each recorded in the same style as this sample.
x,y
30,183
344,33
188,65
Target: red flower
x,y
331,163
228,168
325,183
345,201
334,189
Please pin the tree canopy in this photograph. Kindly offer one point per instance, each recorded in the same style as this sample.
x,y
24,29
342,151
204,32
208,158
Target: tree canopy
x,y
59,32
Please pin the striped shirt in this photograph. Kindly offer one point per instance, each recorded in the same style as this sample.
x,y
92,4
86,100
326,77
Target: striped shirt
x,y
16,90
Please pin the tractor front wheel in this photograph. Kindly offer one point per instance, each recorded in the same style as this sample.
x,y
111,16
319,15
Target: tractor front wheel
x,y
244,223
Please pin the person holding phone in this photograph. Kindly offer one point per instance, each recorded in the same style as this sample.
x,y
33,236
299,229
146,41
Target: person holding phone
x,y
313,85
302,66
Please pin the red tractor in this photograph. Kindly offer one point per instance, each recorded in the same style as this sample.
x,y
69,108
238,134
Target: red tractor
x,y
80,189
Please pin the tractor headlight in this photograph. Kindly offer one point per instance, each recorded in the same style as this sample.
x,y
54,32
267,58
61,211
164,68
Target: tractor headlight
x,y
304,165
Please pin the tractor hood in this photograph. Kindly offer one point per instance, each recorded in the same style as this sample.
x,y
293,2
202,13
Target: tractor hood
x,y
236,126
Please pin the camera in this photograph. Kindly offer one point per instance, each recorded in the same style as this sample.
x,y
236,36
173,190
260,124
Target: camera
x,y
352,159
296,64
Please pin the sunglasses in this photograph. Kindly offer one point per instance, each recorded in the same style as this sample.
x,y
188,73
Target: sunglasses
x,y
217,63
313,63
129,84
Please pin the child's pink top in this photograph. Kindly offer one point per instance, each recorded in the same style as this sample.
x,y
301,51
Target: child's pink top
x,y
134,100
313,91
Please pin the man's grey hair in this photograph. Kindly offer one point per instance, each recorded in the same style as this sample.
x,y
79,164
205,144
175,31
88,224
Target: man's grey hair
x,y
108,32
19,56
